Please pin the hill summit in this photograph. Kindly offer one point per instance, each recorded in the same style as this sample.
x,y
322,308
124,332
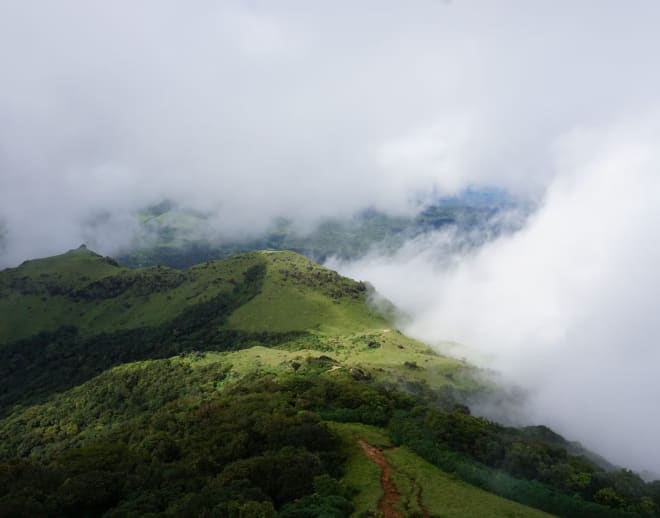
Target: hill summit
x,y
285,291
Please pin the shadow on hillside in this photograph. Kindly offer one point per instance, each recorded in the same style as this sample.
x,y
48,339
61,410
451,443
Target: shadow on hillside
x,y
34,368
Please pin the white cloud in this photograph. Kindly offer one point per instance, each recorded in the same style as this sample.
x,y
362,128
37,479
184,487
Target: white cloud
x,y
254,110
566,307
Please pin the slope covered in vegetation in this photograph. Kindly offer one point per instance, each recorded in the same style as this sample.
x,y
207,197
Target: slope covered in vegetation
x,y
96,295
258,387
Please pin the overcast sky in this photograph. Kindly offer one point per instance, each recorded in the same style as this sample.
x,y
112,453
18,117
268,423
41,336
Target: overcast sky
x,y
259,109
304,109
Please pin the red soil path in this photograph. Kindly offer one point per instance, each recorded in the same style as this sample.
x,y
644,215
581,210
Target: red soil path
x,y
391,495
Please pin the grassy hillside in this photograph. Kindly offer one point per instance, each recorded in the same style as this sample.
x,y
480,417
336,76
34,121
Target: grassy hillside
x,y
422,488
96,295
299,295
261,385
61,329
93,293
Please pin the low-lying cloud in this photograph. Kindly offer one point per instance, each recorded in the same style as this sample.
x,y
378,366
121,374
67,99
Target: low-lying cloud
x,y
253,110
565,307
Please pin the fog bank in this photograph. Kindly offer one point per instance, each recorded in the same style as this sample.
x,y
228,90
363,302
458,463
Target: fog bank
x,y
567,306
251,110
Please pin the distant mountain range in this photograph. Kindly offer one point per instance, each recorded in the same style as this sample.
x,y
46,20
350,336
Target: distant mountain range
x,y
177,236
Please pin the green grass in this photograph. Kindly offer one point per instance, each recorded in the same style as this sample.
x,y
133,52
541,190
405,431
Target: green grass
x,y
359,472
44,294
389,363
319,313
446,495
26,303
299,295
73,268
396,358
84,289
441,494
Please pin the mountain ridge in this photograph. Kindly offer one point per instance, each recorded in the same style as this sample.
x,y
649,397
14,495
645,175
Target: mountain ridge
x,y
246,395
160,291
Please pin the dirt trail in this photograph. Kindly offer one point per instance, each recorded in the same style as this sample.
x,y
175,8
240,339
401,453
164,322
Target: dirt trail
x,y
391,495
420,500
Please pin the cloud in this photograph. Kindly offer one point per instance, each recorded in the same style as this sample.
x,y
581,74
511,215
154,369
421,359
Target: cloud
x,y
567,306
253,110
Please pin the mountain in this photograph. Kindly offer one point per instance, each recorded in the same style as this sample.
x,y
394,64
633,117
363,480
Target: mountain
x,y
110,314
259,385
180,237
97,295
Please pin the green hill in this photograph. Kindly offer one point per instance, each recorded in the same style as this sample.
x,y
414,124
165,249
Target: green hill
x,y
96,295
60,329
259,385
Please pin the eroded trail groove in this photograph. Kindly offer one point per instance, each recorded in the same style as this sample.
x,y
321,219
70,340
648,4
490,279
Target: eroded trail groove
x,y
391,495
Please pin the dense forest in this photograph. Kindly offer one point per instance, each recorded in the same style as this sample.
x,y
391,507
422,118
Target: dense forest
x,y
161,438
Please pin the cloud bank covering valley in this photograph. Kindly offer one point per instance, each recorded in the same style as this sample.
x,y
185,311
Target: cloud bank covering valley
x,y
566,307
254,110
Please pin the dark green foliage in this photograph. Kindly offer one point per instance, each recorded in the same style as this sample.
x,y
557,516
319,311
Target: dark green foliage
x,y
254,448
183,448
179,447
33,368
519,465
316,506
140,283
285,475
